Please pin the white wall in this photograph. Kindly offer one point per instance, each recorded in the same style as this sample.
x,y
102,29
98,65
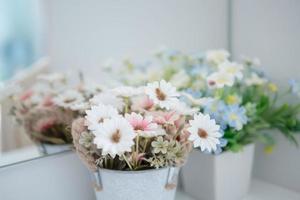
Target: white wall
x,y
270,30
85,33
82,34
45,178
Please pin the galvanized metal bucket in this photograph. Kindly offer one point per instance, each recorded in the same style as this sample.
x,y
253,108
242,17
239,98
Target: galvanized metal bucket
x,y
218,177
46,149
158,184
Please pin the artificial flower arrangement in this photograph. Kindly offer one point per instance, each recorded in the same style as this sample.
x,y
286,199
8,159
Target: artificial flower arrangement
x,y
142,128
239,97
47,109
138,129
242,100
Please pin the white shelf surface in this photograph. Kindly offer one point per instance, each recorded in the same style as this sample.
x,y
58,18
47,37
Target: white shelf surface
x,y
19,155
259,190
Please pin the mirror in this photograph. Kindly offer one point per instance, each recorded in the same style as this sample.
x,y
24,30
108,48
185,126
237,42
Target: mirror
x,y
21,45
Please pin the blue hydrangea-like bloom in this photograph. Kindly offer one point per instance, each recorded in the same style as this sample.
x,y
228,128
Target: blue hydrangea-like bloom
x,y
194,93
295,87
166,55
198,55
199,70
235,116
216,109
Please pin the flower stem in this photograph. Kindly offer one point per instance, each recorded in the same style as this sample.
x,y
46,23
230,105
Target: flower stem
x,y
146,144
126,99
137,148
105,162
129,165
137,144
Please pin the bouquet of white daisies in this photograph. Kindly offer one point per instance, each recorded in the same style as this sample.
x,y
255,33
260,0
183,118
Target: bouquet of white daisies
x,y
136,128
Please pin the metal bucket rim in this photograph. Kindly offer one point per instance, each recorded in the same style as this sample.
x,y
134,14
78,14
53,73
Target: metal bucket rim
x,y
134,172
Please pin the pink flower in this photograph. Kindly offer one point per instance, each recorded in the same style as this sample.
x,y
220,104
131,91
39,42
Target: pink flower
x,y
26,95
47,101
144,126
147,103
142,103
44,124
162,118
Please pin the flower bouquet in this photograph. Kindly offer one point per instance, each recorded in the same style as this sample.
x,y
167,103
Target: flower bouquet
x,y
47,109
242,101
135,139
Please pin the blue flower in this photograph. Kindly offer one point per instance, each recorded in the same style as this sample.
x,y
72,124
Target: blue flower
x,y
295,87
223,143
216,109
198,56
168,55
235,116
194,93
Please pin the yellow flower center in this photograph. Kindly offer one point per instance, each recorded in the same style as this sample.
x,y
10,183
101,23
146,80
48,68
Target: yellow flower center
x,y
231,70
233,116
231,99
221,80
272,87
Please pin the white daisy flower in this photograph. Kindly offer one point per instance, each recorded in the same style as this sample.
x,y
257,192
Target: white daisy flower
x,y
89,88
205,133
144,126
183,109
180,79
127,91
68,99
97,114
220,79
254,79
252,61
232,68
134,78
107,98
81,106
217,57
162,93
153,74
203,101
114,137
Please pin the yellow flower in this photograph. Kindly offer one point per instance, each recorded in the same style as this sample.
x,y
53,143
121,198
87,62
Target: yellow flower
x,y
232,99
269,149
128,64
272,87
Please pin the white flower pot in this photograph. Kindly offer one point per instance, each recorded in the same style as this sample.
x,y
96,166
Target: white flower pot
x,y
46,149
158,184
218,177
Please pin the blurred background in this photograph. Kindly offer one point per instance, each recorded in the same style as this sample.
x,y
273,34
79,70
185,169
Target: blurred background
x,y
77,34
